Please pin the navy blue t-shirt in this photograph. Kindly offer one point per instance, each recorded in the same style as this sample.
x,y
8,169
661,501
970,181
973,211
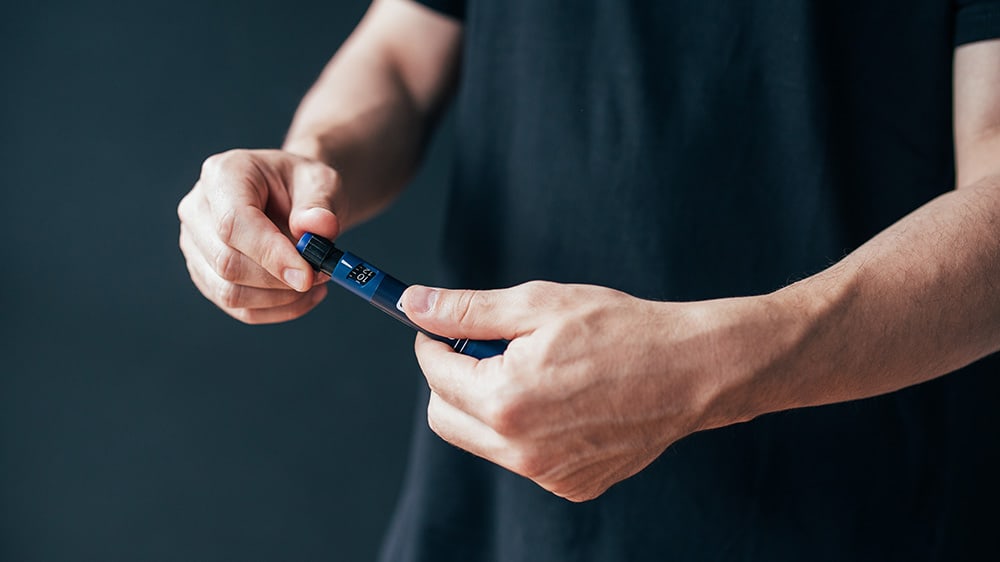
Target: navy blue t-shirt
x,y
683,150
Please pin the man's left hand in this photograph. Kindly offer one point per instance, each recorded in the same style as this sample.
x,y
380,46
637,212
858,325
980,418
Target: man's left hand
x,y
594,385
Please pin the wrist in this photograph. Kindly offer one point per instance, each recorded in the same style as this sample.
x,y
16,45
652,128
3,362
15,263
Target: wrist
x,y
764,355
798,352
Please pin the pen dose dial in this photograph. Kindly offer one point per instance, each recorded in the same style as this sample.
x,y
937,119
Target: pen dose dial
x,y
361,274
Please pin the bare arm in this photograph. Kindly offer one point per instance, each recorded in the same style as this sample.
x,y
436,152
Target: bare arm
x,y
371,110
922,298
355,140
595,384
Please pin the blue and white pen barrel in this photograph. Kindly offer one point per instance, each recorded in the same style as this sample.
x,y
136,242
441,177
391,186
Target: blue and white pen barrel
x,y
380,289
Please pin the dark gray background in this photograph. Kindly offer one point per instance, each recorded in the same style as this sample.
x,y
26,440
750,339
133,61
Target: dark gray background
x,y
137,421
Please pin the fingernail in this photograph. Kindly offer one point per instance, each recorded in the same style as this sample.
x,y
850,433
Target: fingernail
x,y
420,300
296,279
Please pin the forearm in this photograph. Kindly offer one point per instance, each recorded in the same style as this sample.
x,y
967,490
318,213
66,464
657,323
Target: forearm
x,y
919,300
369,114
359,120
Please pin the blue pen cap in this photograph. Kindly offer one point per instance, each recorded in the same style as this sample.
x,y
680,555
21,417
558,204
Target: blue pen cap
x,y
303,241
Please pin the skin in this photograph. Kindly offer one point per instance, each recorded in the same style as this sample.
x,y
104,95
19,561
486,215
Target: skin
x,y
582,399
356,139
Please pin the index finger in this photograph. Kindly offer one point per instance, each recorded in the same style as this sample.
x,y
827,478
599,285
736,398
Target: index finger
x,y
237,208
248,230
460,380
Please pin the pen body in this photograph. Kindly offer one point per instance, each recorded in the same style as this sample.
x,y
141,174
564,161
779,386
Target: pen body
x,y
381,290
375,286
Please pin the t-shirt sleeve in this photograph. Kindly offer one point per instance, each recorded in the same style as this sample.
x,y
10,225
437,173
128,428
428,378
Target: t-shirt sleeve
x,y
976,20
453,8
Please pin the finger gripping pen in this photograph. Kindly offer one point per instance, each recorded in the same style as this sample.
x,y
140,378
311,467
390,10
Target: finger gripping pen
x,y
380,289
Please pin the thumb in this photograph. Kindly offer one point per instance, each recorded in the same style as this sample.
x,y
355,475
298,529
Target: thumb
x,y
312,189
480,315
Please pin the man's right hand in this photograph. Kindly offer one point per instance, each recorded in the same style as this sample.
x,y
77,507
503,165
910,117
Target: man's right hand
x,y
238,224
372,107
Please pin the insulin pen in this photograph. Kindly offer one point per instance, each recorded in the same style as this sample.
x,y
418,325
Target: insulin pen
x,y
380,289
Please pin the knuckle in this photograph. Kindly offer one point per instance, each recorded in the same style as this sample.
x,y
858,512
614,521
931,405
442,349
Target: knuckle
x,y
227,264
268,257
218,163
226,226
245,315
183,208
535,293
228,295
578,498
462,309
572,491
503,414
322,174
529,463
212,164
591,493
432,420
558,488
193,274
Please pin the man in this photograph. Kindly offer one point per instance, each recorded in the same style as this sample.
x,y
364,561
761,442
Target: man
x,y
722,210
